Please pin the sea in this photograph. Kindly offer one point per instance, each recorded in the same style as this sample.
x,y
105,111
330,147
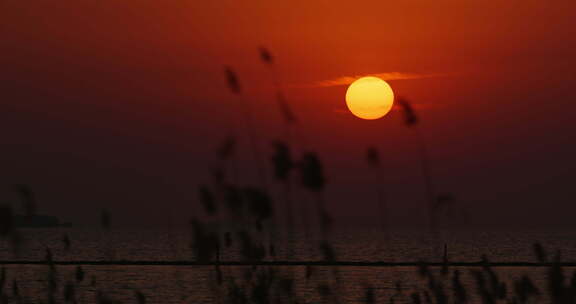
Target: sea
x,y
318,284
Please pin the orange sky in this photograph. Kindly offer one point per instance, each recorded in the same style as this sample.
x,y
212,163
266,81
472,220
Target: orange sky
x,y
102,81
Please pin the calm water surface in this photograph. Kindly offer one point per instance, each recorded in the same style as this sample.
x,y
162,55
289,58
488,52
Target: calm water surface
x,y
195,284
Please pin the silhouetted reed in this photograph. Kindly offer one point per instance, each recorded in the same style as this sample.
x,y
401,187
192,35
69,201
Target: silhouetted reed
x,y
6,220
244,215
66,242
312,176
312,172
283,166
207,199
205,244
539,252
79,274
411,120
265,55
459,291
373,160
525,289
235,87
232,80
282,161
285,109
259,205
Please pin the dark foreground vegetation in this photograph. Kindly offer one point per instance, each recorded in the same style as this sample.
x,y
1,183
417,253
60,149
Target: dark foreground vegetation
x,y
243,217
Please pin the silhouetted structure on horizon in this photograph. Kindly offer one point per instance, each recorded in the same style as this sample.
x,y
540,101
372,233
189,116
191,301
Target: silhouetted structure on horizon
x,y
38,221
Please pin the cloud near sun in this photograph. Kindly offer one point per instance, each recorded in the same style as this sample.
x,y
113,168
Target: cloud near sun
x,y
346,80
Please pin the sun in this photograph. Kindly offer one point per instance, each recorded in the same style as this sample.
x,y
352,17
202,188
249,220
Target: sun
x,y
369,98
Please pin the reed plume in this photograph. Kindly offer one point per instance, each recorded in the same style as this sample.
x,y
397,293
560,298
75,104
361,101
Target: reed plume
x,y
312,174
235,87
285,108
411,120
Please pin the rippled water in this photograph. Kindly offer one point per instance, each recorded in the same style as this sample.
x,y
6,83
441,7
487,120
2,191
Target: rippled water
x,y
195,284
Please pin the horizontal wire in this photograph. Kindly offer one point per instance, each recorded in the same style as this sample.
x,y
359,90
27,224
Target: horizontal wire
x,y
293,263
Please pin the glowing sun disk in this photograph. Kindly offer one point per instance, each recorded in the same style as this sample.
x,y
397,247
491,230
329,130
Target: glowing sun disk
x,y
369,98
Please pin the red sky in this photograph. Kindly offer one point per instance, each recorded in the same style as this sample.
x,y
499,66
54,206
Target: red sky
x,y
120,103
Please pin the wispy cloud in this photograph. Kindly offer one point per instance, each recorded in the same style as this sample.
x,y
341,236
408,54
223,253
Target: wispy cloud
x,y
346,80
396,107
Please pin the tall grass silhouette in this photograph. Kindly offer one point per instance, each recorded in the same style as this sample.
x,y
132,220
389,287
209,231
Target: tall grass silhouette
x,y
239,221
373,161
411,120
233,83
